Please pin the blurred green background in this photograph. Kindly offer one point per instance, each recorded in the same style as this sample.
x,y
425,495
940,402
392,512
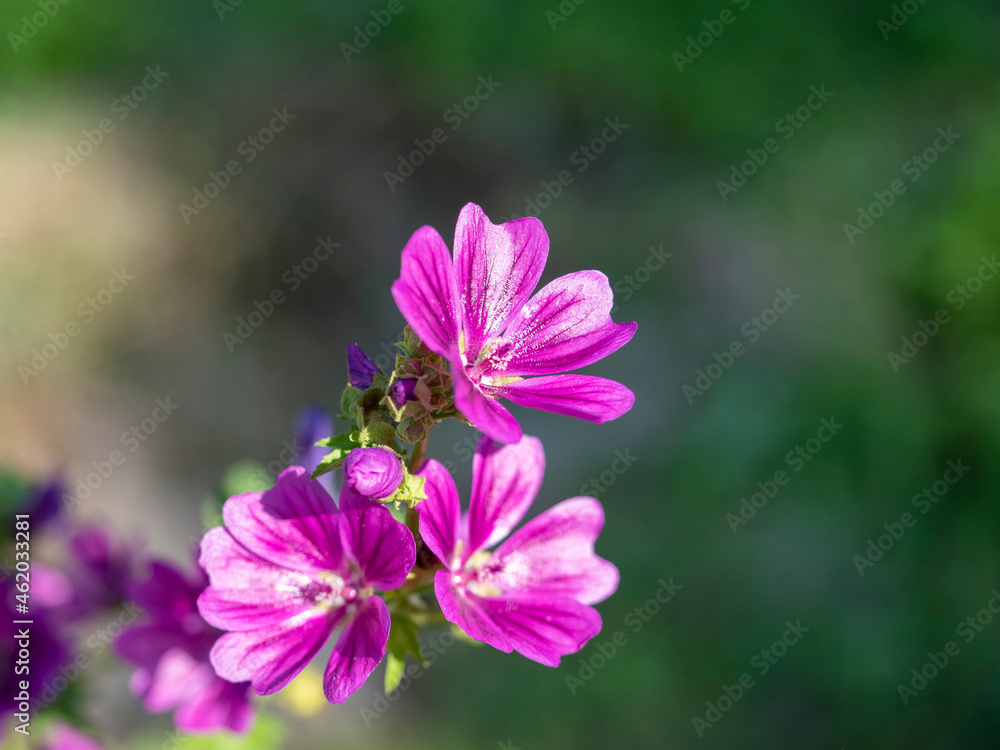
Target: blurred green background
x,y
562,69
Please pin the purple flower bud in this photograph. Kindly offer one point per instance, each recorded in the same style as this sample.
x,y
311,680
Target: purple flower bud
x,y
372,472
360,369
401,391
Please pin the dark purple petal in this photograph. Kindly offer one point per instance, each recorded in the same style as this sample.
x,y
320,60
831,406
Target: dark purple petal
x,y
293,524
505,481
165,593
584,396
246,592
402,390
553,555
218,705
564,327
425,291
146,644
45,502
440,513
380,546
360,370
272,657
373,472
485,413
359,649
314,424
470,613
542,628
497,268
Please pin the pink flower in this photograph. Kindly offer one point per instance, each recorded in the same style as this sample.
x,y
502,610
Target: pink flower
x,y
171,649
531,594
287,569
475,311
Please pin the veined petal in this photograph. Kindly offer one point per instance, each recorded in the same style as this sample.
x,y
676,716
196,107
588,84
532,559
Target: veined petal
x,y
246,592
381,547
486,414
293,524
468,612
542,628
440,513
271,657
566,326
584,396
553,554
359,649
497,268
505,481
425,291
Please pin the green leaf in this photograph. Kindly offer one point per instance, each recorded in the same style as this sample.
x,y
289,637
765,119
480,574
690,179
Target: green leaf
x,y
393,672
378,432
344,442
349,397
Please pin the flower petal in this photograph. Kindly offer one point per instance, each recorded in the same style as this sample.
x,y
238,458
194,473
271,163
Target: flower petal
x,y
314,424
246,592
440,513
486,414
219,705
176,677
566,326
361,371
425,291
271,657
542,628
165,593
497,268
373,472
505,481
359,649
293,524
553,554
468,612
584,396
381,547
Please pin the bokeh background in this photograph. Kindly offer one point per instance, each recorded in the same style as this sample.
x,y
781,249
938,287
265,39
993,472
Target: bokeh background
x,y
557,72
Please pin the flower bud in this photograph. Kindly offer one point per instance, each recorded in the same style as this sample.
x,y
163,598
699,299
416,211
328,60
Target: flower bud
x,y
360,370
373,472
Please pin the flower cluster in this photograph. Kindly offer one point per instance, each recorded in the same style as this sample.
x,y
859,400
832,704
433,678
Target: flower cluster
x,y
364,536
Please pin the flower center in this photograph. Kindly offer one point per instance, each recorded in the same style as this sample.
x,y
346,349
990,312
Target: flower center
x,y
478,577
328,591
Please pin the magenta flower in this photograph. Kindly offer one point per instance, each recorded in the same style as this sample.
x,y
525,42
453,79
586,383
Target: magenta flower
x,y
475,311
287,569
172,649
531,594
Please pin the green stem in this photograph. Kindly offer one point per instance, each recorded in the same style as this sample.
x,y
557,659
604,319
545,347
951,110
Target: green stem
x,y
419,453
